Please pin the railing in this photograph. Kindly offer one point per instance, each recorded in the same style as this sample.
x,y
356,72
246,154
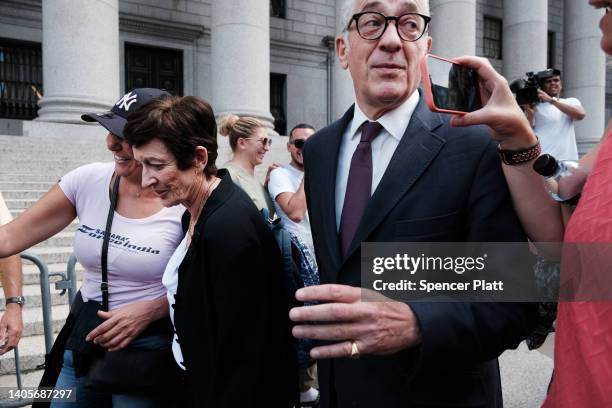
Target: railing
x,y
66,283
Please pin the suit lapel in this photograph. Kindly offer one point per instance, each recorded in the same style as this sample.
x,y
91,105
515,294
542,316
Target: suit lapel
x,y
326,169
418,147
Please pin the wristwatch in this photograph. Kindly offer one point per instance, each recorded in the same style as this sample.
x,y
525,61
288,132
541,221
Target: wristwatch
x,y
20,300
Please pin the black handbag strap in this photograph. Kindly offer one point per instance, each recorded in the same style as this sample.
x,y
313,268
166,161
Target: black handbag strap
x,y
107,232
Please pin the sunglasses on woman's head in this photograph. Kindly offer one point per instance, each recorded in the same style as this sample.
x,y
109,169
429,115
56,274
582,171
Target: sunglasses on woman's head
x,y
299,143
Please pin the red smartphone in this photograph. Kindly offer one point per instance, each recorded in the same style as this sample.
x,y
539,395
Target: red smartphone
x,y
449,87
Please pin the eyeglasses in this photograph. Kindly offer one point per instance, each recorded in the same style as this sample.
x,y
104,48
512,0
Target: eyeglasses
x,y
371,25
299,143
266,141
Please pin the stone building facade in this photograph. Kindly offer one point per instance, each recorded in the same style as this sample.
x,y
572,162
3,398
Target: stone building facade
x,y
269,59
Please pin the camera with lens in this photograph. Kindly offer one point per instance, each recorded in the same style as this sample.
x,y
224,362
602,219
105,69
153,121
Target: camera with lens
x,y
526,89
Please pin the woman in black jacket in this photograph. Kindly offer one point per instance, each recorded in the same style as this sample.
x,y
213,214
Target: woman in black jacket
x,y
225,283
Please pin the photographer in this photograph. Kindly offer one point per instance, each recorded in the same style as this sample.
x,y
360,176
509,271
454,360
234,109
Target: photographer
x,y
553,117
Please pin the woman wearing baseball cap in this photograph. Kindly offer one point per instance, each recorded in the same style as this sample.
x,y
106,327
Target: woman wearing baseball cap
x,y
142,235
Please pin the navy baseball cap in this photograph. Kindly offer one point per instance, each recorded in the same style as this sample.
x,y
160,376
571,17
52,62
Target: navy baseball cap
x,y
114,120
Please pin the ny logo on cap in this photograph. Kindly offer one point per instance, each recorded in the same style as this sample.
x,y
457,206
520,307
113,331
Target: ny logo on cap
x,y
126,101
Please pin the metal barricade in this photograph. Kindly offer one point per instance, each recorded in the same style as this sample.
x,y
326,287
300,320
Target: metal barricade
x,y
66,283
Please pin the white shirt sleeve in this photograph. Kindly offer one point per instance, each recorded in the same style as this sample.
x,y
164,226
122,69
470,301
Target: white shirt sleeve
x,y
572,102
70,182
280,182
79,181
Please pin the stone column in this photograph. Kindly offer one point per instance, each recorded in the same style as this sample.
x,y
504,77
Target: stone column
x,y
240,59
343,94
525,37
80,58
458,38
585,70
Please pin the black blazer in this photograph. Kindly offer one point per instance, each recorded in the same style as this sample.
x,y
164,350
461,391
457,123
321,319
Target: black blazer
x,y
231,311
442,184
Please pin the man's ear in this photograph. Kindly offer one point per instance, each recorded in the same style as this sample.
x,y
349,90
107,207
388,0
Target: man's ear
x,y
429,44
200,157
342,51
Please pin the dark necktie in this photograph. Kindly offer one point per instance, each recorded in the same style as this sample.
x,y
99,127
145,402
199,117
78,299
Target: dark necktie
x,y
358,186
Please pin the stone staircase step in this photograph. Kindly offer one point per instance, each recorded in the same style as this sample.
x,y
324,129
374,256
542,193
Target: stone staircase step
x,y
33,297
51,176
19,203
71,152
31,355
26,185
28,379
52,255
33,320
31,274
22,194
44,164
61,239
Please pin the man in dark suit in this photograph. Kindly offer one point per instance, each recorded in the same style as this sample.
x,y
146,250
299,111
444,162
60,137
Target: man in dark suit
x,y
390,170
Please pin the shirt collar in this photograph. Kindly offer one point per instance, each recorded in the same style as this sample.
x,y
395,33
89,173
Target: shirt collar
x,y
395,121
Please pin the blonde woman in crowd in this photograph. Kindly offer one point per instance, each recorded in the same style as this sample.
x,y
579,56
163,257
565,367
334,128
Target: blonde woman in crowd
x,y
250,143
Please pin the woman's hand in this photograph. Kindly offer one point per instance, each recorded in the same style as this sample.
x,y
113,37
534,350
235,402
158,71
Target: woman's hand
x,y
123,325
500,111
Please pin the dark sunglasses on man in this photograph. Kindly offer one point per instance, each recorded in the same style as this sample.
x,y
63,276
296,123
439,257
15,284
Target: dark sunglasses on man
x,y
299,143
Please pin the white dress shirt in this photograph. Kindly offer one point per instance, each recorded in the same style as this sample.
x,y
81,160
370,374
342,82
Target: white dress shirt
x,y
394,125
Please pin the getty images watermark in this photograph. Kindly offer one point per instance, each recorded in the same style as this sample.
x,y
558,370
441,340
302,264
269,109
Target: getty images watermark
x,y
487,271
413,264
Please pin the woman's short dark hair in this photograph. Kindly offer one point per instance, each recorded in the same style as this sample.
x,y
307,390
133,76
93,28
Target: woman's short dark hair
x,y
181,123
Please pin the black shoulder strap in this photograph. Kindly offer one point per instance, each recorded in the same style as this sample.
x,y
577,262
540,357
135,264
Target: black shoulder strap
x,y
107,232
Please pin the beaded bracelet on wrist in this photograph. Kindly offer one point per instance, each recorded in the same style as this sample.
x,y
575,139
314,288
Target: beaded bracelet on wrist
x,y
512,157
